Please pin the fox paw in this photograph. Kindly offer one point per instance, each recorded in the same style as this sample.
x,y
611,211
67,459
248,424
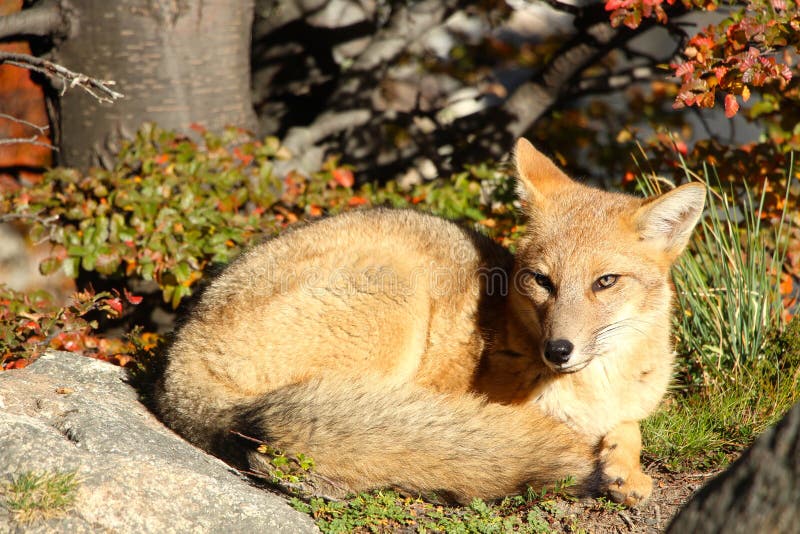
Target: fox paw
x,y
631,489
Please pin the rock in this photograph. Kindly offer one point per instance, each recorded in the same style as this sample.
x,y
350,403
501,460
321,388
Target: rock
x,y
760,492
66,412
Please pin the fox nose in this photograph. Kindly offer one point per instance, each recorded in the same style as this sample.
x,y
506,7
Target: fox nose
x,y
558,351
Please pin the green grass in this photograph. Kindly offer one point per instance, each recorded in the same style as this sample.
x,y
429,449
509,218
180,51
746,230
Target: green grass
x,y
31,496
738,368
387,511
701,427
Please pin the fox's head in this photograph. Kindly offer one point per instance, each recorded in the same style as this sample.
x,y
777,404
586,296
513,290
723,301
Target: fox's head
x,y
593,266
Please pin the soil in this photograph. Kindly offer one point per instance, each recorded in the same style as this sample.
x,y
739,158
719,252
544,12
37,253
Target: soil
x,y
670,492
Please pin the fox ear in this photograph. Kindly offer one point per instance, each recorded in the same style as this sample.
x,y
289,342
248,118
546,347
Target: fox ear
x,y
537,175
670,218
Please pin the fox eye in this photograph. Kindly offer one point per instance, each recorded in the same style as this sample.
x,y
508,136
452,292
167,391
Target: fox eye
x,y
540,280
605,281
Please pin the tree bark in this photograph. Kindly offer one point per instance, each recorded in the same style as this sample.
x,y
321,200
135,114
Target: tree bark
x,y
760,492
177,63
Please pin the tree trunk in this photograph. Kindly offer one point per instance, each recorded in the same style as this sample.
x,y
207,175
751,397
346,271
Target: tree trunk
x,y
177,63
760,492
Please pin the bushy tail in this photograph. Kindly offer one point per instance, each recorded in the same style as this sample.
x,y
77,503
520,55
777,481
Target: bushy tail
x,y
365,437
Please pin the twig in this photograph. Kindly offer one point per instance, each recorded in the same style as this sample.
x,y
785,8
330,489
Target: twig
x,y
97,88
38,128
32,140
5,217
47,222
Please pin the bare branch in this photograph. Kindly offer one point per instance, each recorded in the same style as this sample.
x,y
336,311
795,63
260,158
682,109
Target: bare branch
x,y
406,25
534,98
41,129
97,88
32,140
558,79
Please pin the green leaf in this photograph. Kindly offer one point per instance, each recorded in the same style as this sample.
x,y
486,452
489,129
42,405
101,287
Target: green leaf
x,y
71,267
50,265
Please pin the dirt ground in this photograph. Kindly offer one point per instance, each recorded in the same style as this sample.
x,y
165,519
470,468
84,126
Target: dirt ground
x,y
670,492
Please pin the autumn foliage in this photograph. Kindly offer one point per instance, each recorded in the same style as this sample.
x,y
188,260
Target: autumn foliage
x,y
748,50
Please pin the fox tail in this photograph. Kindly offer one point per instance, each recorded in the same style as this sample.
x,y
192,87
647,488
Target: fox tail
x,y
363,437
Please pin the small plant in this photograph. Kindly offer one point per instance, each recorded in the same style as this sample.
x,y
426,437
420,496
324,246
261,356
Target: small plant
x,y
388,511
729,287
31,323
607,505
31,496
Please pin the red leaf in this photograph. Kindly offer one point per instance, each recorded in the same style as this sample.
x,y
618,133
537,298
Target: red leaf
x,y
357,201
684,68
241,156
17,364
133,299
731,105
115,304
343,177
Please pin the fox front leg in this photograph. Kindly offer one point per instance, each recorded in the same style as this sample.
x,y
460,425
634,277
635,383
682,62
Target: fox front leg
x,y
620,450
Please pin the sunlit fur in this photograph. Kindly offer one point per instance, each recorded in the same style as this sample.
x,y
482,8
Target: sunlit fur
x,y
385,345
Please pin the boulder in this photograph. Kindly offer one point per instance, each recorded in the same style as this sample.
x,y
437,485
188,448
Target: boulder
x,y
760,492
66,412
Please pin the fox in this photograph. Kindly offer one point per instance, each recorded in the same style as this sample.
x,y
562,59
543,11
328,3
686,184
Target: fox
x,y
401,350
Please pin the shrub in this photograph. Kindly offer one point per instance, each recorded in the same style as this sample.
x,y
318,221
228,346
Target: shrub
x,y
32,322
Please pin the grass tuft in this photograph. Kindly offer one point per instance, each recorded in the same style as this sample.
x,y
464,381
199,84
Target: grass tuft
x,y
31,496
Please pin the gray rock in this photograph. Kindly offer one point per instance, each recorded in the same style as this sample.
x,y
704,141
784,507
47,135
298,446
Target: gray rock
x,y
66,412
760,492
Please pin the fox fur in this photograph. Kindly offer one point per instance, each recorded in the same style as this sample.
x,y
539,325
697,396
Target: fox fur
x,y
399,349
